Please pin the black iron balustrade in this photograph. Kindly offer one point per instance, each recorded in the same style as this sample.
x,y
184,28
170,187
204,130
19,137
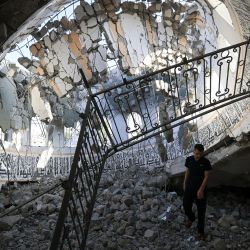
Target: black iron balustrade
x,y
81,188
190,89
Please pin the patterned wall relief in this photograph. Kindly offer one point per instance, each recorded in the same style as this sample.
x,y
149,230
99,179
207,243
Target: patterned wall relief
x,y
139,158
25,167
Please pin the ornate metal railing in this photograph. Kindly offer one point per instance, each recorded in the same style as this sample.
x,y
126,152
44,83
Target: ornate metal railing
x,y
142,108
188,90
81,188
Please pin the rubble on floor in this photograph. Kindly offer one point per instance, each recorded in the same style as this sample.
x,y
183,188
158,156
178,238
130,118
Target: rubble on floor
x,y
128,215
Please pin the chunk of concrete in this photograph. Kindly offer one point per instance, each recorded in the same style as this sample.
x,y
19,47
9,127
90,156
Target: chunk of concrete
x,y
80,13
50,69
98,8
219,244
25,61
150,234
40,106
88,8
7,222
60,87
47,42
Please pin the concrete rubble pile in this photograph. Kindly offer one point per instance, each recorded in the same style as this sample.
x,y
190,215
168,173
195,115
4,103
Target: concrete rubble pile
x,y
131,213
33,224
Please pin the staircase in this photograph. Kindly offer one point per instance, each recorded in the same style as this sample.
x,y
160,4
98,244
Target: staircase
x,y
191,89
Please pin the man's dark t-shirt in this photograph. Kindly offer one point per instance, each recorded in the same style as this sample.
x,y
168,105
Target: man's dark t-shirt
x,y
196,172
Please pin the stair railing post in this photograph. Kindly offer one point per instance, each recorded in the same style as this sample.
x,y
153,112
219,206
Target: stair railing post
x,y
92,99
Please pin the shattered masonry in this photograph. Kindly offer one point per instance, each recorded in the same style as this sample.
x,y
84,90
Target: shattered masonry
x,y
99,40
101,32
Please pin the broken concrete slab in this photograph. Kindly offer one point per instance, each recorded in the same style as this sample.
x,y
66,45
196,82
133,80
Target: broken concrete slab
x,y
7,222
87,8
50,69
80,13
47,42
40,106
150,234
110,5
25,61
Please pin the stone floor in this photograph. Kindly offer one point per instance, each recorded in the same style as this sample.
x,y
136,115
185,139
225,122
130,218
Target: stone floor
x,y
126,216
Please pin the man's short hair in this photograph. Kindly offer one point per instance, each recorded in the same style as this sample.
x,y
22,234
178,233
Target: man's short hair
x,y
199,147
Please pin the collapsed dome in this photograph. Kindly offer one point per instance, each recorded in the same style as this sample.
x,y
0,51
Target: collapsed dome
x,y
109,41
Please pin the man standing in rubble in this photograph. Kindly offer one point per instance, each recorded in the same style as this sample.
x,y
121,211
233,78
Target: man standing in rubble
x,y
194,186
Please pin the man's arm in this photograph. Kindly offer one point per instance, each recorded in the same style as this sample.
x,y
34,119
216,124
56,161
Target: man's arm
x,y
200,193
185,179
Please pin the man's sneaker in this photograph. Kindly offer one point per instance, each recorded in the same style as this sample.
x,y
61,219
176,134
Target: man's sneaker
x,y
188,223
201,236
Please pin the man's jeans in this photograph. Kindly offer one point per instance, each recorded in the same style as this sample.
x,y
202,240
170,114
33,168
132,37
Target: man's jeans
x,y
189,197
